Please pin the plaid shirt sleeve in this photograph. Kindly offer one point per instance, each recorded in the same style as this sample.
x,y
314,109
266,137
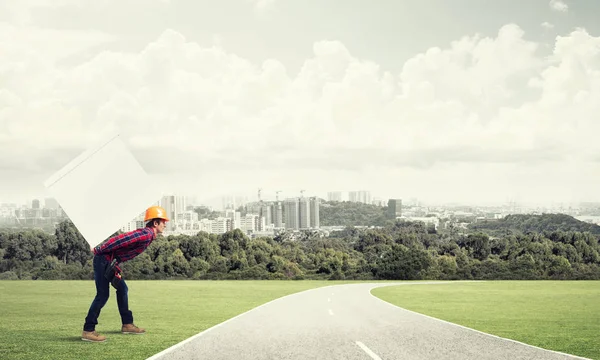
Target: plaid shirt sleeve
x,y
123,241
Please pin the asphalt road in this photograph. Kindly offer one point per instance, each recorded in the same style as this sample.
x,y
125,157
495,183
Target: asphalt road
x,y
346,322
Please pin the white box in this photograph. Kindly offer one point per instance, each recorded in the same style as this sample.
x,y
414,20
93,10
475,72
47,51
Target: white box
x,y
102,189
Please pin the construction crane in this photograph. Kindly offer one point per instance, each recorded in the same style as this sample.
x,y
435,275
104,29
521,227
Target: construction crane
x,y
277,195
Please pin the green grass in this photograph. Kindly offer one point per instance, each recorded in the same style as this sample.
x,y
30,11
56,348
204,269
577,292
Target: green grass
x,y
556,315
44,319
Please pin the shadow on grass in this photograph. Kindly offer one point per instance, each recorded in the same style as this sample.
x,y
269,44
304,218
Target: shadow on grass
x,y
72,339
78,338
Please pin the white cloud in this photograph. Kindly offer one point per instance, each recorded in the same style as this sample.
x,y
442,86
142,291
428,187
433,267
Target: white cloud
x,y
558,5
547,25
492,106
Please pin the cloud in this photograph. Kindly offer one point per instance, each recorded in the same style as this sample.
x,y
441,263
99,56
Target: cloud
x,y
187,109
558,5
547,25
348,159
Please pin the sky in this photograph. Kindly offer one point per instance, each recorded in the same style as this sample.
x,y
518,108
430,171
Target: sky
x,y
464,101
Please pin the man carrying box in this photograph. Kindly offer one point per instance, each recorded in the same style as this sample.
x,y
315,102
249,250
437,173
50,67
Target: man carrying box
x,y
107,257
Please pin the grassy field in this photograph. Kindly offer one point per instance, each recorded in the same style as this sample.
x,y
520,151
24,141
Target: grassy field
x,y
44,319
562,316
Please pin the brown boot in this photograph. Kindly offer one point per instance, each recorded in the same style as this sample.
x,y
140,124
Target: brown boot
x,y
131,329
92,336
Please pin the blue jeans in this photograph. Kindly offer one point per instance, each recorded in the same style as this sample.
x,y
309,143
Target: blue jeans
x,y
102,294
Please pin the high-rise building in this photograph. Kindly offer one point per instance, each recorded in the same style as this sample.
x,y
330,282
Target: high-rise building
x,y
180,202
173,205
291,212
334,196
360,196
277,214
35,204
250,222
353,196
394,208
266,212
237,220
314,212
235,217
303,213
221,225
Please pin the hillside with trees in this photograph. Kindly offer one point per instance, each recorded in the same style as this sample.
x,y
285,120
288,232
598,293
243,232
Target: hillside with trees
x,y
538,224
346,213
401,250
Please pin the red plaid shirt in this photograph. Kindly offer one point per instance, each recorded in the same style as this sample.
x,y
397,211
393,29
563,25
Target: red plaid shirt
x,y
126,246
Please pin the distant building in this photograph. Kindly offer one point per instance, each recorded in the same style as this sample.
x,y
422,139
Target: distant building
x,y
266,212
277,214
314,212
301,213
378,202
394,208
173,205
252,223
291,209
334,196
360,196
221,225
304,213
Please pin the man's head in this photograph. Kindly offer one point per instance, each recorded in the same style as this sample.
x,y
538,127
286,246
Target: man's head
x,y
158,225
156,218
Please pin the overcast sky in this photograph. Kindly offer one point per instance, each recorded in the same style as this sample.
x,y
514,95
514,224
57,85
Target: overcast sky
x,y
468,101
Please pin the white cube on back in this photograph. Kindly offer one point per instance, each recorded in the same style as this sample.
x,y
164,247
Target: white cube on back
x,y
102,189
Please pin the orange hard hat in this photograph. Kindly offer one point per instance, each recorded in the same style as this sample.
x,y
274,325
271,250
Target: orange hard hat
x,y
155,212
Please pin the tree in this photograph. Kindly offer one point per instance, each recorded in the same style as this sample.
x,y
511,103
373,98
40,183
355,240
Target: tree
x,y
403,263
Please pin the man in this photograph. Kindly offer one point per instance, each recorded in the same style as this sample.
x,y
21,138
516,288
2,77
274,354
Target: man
x,y
121,248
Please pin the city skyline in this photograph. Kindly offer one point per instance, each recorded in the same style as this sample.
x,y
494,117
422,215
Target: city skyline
x,y
268,217
471,103
218,202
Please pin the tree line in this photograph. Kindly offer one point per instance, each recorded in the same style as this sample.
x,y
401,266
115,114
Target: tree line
x,y
400,250
347,213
